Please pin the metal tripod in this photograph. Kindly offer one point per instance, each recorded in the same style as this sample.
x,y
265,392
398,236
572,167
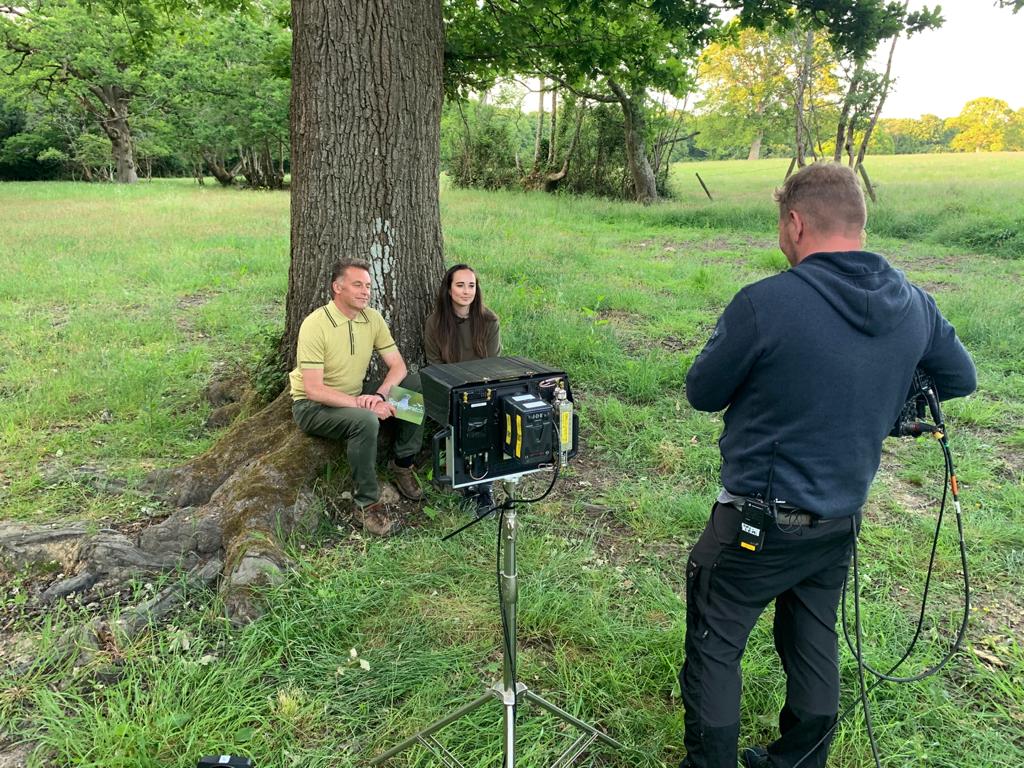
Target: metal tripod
x,y
509,691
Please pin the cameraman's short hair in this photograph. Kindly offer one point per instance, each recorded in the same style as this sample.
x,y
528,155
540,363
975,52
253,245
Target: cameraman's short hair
x,y
827,196
341,266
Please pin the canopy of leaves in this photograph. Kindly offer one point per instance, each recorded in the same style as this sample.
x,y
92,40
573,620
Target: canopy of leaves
x,y
985,125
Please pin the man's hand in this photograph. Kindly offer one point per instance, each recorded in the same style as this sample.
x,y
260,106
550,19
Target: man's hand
x,y
382,410
369,401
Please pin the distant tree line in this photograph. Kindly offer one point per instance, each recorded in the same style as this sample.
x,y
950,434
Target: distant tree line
x,y
757,87
103,90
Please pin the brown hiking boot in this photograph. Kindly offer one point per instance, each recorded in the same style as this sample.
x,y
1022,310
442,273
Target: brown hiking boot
x,y
405,481
378,519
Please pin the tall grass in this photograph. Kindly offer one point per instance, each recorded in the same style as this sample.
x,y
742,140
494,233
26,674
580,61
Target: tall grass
x,y
972,202
119,304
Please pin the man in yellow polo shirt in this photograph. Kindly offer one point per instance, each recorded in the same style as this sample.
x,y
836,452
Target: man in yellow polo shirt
x,y
336,342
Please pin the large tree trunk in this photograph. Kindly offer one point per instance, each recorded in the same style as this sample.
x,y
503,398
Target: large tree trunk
x,y
366,107
645,185
113,120
366,104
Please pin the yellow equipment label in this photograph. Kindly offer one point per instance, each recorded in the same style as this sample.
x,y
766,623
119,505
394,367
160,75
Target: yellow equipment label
x,y
519,436
566,429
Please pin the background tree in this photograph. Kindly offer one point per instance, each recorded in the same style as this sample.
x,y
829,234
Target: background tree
x,y
901,136
95,54
867,90
225,88
984,125
746,84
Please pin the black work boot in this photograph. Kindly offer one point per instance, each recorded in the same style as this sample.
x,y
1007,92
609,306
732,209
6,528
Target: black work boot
x,y
756,757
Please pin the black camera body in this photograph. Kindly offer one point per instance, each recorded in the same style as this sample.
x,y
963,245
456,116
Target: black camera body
x,y
922,401
500,417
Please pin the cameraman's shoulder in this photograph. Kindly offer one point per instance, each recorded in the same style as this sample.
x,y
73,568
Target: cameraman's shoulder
x,y
772,288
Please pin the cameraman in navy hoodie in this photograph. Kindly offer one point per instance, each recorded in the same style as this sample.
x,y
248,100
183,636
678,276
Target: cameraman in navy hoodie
x,y
812,366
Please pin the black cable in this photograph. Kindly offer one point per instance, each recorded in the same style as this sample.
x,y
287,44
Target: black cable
x,y
949,480
506,633
962,631
860,655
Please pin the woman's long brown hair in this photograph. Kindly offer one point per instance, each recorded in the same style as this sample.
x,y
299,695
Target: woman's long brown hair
x,y
446,319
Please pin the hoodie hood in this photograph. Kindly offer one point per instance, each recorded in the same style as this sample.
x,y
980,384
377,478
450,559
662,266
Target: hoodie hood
x,y
862,287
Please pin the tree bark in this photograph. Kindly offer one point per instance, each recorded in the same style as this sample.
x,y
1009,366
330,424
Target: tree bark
x,y
803,80
366,110
539,134
113,120
645,187
844,130
223,176
553,134
755,146
882,96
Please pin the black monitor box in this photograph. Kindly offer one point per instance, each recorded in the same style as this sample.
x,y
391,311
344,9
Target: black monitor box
x,y
499,418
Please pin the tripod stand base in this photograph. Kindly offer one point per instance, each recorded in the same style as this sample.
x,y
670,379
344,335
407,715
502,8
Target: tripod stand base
x,y
425,738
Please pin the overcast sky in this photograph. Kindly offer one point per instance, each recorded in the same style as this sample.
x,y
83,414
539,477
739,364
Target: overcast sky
x,y
978,51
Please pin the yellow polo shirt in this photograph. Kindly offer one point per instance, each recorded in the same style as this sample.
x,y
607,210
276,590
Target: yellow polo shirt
x,y
341,347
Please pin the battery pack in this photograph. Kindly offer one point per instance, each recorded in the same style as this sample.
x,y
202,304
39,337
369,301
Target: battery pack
x,y
528,435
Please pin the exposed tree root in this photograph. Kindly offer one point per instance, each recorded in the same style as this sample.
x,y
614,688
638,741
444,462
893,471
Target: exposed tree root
x,y
235,505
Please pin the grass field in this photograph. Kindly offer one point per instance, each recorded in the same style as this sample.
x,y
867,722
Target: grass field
x,y
118,305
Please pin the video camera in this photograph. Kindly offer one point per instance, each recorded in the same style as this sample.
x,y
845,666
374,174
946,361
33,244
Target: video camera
x,y
922,400
500,417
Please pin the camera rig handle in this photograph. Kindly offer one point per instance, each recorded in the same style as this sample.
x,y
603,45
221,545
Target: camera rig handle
x,y
436,445
922,400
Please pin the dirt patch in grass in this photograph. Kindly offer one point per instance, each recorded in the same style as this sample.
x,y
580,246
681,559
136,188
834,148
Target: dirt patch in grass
x,y
997,612
668,248
635,343
730,243
937,286
618,318
186,305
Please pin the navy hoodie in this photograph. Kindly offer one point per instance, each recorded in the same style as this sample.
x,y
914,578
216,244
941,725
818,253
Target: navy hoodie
x,y
819,360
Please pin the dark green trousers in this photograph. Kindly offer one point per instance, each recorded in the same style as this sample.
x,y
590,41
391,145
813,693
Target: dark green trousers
x,y
358,427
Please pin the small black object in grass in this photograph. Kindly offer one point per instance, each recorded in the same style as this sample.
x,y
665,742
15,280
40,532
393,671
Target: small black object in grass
x,y
230,761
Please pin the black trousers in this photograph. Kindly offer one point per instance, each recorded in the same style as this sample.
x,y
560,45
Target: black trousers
x,y
802,568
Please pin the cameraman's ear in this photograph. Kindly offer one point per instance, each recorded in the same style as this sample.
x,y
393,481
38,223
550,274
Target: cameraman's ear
x,y
797,224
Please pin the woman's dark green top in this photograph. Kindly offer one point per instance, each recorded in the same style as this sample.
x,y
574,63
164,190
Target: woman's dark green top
x,y
432,340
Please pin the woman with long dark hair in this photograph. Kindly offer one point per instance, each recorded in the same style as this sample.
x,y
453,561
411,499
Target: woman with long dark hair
x,y
461,328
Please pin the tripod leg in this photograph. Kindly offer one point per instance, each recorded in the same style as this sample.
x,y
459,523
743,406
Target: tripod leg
x,y
421,736
510,735
509,595
540,701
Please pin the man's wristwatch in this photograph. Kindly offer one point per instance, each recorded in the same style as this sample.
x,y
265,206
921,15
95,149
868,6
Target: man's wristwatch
x,y
382,398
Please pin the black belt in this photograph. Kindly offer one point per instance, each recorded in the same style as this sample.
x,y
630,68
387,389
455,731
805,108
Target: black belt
x,y
795,517
785,515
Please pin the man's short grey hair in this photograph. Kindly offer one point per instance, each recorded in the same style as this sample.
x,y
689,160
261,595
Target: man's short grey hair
x,y
827,196
341,266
